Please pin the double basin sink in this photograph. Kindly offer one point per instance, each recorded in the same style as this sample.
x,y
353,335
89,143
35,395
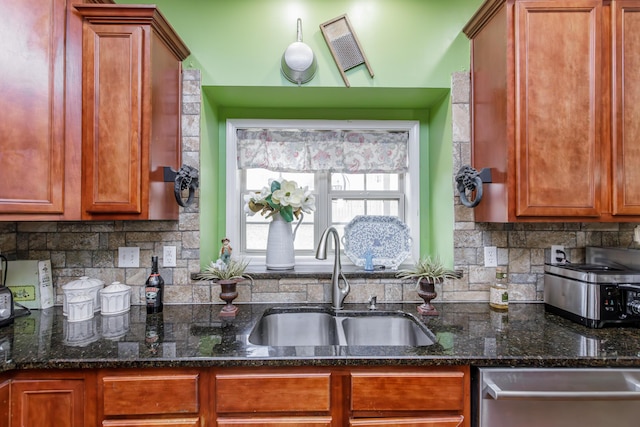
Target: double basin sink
x,y
319,326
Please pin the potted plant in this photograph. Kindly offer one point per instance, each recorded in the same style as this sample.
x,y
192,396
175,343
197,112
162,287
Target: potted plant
x,y
228,275
428,271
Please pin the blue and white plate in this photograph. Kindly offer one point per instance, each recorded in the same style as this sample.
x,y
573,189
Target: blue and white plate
x,y
385,236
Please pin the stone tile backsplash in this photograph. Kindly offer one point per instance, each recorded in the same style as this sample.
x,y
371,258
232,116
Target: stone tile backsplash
x,y
91,248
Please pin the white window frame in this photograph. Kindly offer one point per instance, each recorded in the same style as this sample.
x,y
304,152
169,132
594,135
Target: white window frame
x,y
411,180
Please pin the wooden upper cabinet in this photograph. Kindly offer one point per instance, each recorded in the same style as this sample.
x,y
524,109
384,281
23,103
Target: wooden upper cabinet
x,y
626,108
131,112
541,111
32,130
558,137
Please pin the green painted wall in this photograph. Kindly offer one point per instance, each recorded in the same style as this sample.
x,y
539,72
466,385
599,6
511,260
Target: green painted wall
x,y
413,47
409,43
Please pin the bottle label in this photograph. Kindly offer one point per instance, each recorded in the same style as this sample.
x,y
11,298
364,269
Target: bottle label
x,y
151,295
498,297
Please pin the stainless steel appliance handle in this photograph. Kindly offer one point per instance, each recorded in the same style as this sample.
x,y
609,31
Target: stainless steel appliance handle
x,y
497,393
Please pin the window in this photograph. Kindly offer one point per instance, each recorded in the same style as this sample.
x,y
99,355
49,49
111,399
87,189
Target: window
x,y
340,195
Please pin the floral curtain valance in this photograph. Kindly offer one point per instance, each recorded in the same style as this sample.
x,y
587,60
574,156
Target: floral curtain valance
x,y
295,150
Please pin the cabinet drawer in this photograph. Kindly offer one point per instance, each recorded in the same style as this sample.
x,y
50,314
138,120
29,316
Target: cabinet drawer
x,y
275,422
455,421
273,393
413,391
152,394
182,422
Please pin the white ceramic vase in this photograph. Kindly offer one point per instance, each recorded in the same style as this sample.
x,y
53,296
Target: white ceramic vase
x,y
280,254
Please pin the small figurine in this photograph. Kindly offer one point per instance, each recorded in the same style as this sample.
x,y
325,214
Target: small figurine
x,y
368,260
225,251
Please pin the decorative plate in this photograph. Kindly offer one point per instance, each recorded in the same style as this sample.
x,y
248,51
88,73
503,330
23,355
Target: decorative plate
x,y
386,236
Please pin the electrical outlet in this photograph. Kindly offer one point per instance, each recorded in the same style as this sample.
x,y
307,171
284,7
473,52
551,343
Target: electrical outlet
x,y
128,257
557,254
169,256
490,256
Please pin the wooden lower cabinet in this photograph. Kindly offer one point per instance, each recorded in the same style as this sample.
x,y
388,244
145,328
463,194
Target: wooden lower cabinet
x,y
274,398
185,422
151,397
232,397
5,395
48,403
433,397
275,422
454,421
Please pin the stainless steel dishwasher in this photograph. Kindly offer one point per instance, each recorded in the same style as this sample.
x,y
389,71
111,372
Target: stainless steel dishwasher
x,y
537,397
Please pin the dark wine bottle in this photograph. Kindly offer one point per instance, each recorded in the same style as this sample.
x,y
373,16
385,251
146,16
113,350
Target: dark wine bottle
x,y
154,288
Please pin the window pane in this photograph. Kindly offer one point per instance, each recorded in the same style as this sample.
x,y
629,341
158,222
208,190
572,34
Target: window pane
x,y
304,237
362,182
257,236
382,207
382,181
347,182
259,178
343,210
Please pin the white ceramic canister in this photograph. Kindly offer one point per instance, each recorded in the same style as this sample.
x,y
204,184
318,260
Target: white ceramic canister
x,y
83,285
80,308
115,299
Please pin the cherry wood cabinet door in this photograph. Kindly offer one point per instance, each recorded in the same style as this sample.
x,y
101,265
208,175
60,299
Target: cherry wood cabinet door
x,y
32,129
626,108
275,422
146,394
131,112
408,391
113,123
559,100
47,403
172,422
454,421
5,386
254,393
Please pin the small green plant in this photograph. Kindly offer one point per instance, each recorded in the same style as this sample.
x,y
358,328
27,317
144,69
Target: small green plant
x,y
430,268
234,270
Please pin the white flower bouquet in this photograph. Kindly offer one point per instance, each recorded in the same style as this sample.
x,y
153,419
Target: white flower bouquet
x,y
284,197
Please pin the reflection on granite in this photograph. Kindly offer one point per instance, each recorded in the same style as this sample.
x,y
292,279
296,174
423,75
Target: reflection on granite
x,y
194,335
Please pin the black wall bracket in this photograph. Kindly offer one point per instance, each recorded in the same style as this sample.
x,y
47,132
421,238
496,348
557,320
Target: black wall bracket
x,y
186,177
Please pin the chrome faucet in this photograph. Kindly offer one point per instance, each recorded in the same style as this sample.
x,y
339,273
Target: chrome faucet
x,y
338,294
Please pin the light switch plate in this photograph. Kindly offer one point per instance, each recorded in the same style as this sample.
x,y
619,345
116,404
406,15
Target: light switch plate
x,y
169,256
128,257
490,256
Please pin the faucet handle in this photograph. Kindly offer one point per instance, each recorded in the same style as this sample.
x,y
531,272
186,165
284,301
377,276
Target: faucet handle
x,y
372,302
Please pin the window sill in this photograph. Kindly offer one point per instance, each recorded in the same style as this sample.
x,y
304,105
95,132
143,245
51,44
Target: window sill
x,y
317,272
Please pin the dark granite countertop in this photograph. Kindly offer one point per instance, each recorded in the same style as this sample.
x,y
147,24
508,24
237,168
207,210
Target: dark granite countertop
x,y
195,336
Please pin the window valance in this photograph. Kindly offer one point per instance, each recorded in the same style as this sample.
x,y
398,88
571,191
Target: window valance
x,y
296,150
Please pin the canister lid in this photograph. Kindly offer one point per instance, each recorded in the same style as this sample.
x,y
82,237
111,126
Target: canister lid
x,y
84,282
115,287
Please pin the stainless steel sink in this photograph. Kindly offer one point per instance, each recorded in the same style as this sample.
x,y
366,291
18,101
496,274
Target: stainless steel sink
x,y
295,329
317,326
392,329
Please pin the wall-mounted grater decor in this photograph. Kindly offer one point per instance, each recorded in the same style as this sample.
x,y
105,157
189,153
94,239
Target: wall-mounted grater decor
x,y
344,45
